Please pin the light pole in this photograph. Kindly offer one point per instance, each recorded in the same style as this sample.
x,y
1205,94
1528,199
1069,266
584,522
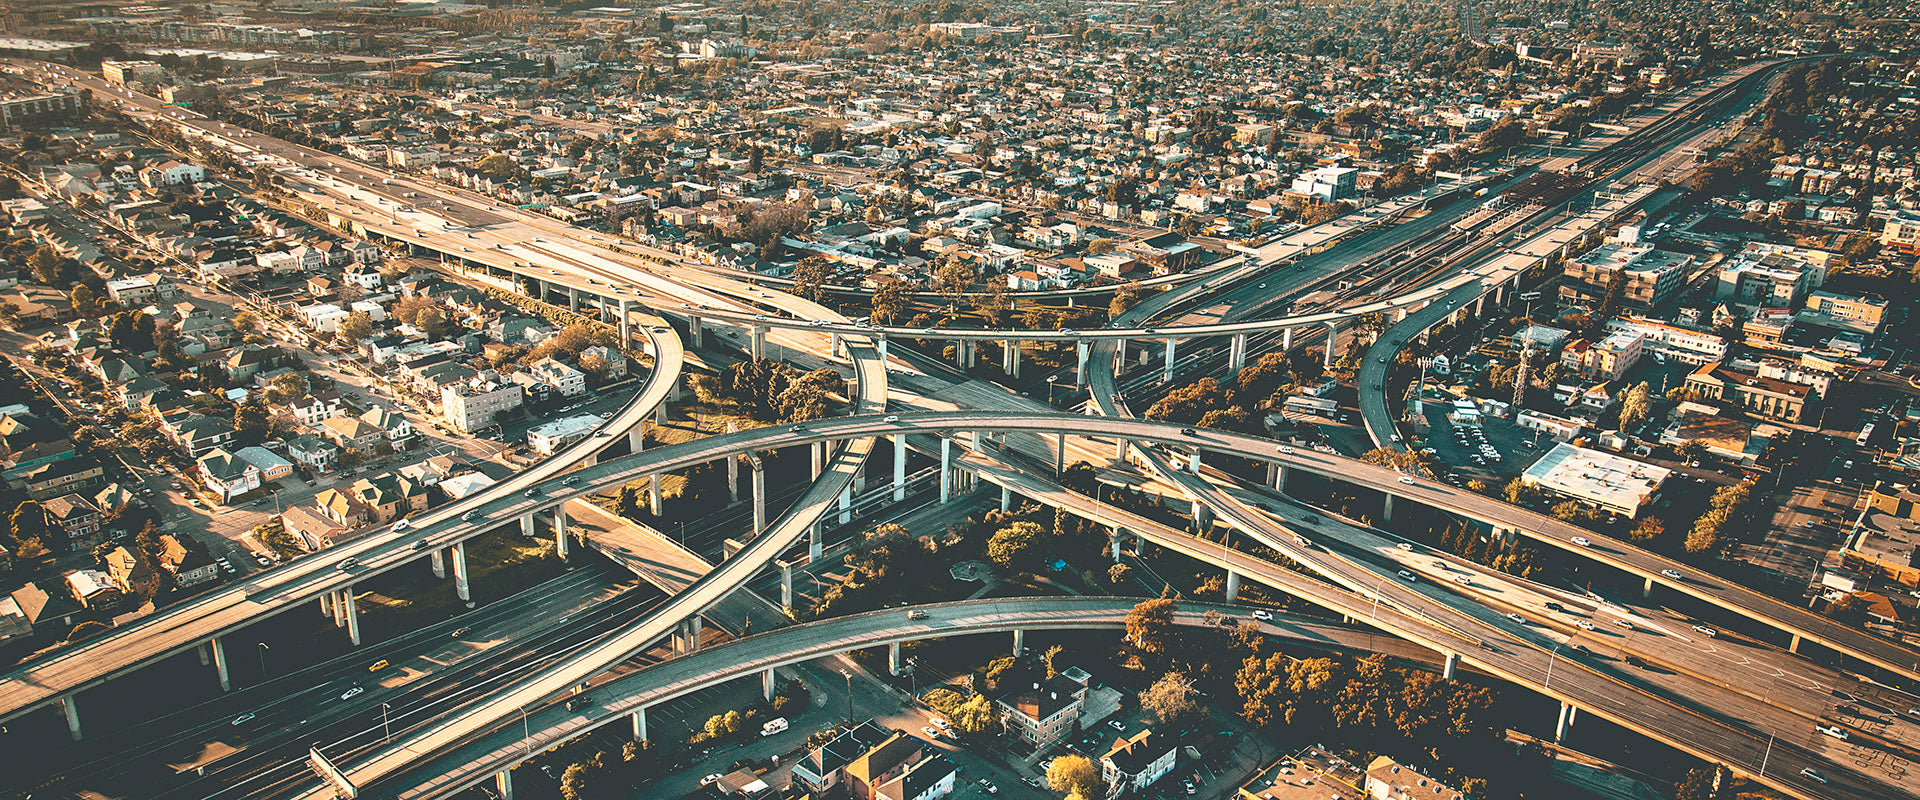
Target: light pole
x,y
1767,753
1548,681
526,733
1051,380
263,660
386,729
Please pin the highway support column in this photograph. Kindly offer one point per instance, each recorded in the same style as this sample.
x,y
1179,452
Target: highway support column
x,y
640,724
1006,499
786,585
946,469
1794,646
846,504
818,451
766,684
1081,350
560,530
1386,507
1452,664
733,478
1333,334
899,467
438,561
697,331
759,494
636,439
1019,642
1646,589
1060,455
1237,352
526,524
1166,373
353,615
880,346
1567,713
653,494
1286,340
1233,587
757,342
460,585
220,663
70,705
503,780
893,659
1012,357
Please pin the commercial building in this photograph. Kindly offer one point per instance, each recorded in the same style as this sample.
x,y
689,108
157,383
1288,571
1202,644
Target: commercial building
x,y
1388,779
1611,357
1764,396
1651,276
1902,232
1311,774
547,439
1672,341
1772,275
1326,184
1859,314
120,73
40,109
478,402
1613,483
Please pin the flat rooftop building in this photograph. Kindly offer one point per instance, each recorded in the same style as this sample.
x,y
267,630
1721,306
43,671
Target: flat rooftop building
x,y
1620,485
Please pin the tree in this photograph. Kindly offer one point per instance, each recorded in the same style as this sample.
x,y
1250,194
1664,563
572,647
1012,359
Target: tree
x,y
1124,298
574,783
1690,450
27,523
354,329
1172,699
890,302
1016,546
83,299
1076,774
1520,493
131,331
286,388
251,423
1119,574
811,274
1636,407
1150,625
974,717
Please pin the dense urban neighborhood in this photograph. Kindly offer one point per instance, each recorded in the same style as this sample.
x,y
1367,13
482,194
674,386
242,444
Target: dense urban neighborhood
x,y
1086,400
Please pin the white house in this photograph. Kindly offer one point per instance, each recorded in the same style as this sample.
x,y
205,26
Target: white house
x,y
569,382
1133,764
228,475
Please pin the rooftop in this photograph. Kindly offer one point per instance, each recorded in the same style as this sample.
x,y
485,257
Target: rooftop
x,y
1603,478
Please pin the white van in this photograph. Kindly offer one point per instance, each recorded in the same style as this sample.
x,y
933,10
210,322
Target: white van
x,y
774,726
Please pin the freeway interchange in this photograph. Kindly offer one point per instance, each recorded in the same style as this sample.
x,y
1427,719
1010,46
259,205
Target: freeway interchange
x,y
476,737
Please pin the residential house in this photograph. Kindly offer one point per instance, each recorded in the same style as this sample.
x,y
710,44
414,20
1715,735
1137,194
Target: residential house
x,y
316,453
352,433
1388,779
1045,712
62,477
313,528
343,508
1132,764
313,409
195,434
227,475
272,467
73,514
393,426
569,382
52,613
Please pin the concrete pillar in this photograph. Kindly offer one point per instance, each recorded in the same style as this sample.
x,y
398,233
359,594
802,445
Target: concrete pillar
x,y
626,325
1012,357
818,450
946,469
846,504
1113,545
1199,515
1006,498
1566,720
880,344
636,440
654,500
1286,339
1081,352
560,530
759,494
693,632
460,585
326,605
1233,587
503,781
1452,664
766,684
733,479
1019,641
640,724
1237,352
786,586
816,541
340,609
899,467
1646,589
1060,454
1333,334
206,657
70,705
573,298
1194,463
1120,450
1386,510
220,663
697,331
893,659
353,616
1166,374
757,342
526,524
438,561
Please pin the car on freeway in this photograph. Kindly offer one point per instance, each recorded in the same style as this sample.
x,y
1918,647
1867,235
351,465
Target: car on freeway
x,y
1464,580
1516,618
347,564
1261,613
1285,450
710,779
1408,577
1671,573
1582,541
890,418
916,614
1583,624
242,719
352,693
1834,731
1705,631
468,517
1813,774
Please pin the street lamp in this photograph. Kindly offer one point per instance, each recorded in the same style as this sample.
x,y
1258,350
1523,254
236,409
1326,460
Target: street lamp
x,y
1550,656
1051,380
386,730
526,733
263,659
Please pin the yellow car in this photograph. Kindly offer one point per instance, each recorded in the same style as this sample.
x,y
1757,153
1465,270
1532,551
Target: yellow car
x,y
378,665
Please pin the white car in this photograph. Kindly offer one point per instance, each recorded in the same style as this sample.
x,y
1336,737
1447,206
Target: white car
x,y
1832,730
1406,480
1286,450
1705,631
352,693
1262,614
1516,618
1671,573
1583,624
1813,774
1405,546
710,779
1582,541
